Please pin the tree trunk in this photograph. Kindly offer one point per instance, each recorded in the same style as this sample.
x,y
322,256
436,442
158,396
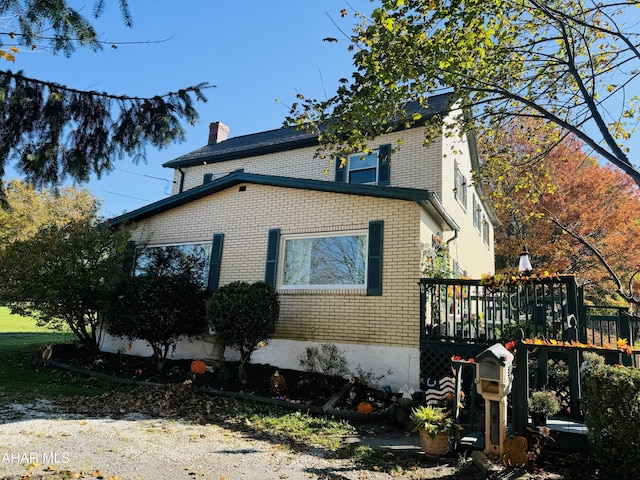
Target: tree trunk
x,y
242,371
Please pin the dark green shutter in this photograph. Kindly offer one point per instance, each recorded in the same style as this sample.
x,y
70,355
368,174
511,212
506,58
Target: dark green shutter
x,y
341,172
207,177
214,264
384,165
272,257
374,267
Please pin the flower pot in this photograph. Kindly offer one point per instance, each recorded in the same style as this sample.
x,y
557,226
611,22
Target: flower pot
x,y
538,419
437,446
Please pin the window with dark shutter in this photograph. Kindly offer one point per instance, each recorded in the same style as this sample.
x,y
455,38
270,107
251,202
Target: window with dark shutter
x,y
370,169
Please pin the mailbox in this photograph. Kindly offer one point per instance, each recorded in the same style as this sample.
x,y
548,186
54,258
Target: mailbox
x,y
494,379
494,374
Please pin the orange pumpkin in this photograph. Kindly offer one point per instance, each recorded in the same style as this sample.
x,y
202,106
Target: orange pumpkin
x,y
365,407
198,367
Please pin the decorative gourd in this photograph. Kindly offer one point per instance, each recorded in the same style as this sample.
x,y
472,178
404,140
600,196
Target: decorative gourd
x,y
277,383
47,352
198,367
365,407
515,452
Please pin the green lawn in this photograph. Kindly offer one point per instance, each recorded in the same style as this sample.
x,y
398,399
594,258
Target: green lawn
x,y
17,324
22,374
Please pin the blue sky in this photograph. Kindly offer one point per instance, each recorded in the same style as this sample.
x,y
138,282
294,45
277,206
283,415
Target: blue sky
x,y
254,52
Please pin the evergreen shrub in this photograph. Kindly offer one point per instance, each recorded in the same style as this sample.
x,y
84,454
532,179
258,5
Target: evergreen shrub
x,y
611,403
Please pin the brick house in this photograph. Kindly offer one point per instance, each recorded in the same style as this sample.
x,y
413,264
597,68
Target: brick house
x,y
343,246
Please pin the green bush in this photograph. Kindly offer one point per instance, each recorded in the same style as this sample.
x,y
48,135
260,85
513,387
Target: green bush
x,y
611,401
158,309
243,316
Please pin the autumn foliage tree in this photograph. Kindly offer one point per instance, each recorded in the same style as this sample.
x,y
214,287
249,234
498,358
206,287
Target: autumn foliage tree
x,y
553,197
28,209
574,65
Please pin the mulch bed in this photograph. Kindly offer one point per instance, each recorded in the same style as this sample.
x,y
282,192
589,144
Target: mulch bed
x,y
309,388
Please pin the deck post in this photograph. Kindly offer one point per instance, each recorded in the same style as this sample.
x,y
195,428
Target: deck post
x,y
520,392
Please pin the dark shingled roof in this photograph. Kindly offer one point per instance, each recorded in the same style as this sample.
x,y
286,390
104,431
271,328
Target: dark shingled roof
x,y
426,199
280,140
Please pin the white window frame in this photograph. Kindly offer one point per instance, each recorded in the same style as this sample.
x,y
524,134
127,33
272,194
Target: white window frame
x,y
359,157
485,231
304,286
477,215
460,187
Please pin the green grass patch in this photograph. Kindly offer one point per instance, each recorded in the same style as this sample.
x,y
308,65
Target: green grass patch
x,y
16,324
21,341
300,427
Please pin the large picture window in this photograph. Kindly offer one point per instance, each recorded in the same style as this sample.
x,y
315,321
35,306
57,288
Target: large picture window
x,y
174,260
325,261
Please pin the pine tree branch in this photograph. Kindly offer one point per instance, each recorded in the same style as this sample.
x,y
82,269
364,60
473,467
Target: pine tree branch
x,y
53,131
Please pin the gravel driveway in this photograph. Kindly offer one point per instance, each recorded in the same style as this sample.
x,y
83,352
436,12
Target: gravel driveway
x,y
40,440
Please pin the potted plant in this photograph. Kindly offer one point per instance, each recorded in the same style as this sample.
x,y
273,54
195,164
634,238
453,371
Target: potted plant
x,y
543,404
434,425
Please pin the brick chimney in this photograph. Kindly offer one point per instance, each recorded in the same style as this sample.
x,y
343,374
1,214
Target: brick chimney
x,y
218,132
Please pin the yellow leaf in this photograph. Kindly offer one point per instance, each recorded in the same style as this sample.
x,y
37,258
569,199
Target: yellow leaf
x,y
622,343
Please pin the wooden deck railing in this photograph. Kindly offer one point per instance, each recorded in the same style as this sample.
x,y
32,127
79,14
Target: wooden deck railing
x,y
467,310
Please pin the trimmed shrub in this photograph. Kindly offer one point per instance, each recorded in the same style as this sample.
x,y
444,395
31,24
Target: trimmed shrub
x,y
243,316
158,309
611,401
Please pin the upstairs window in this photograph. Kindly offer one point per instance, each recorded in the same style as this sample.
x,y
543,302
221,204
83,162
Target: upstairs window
x,y
363,169
477,214
368,169
485,231
460,188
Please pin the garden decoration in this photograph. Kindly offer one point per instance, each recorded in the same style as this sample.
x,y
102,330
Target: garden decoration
x,y
515,452
434,425
47,352
365,407
277,383
542,404
198,367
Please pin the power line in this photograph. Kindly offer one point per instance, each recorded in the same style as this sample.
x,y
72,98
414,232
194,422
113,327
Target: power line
x,y
127,196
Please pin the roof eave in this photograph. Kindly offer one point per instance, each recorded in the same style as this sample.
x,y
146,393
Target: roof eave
x,y
434,207
235,178
234,155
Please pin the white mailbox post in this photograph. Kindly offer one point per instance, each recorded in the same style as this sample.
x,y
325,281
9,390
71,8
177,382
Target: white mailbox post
x,y
494,379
